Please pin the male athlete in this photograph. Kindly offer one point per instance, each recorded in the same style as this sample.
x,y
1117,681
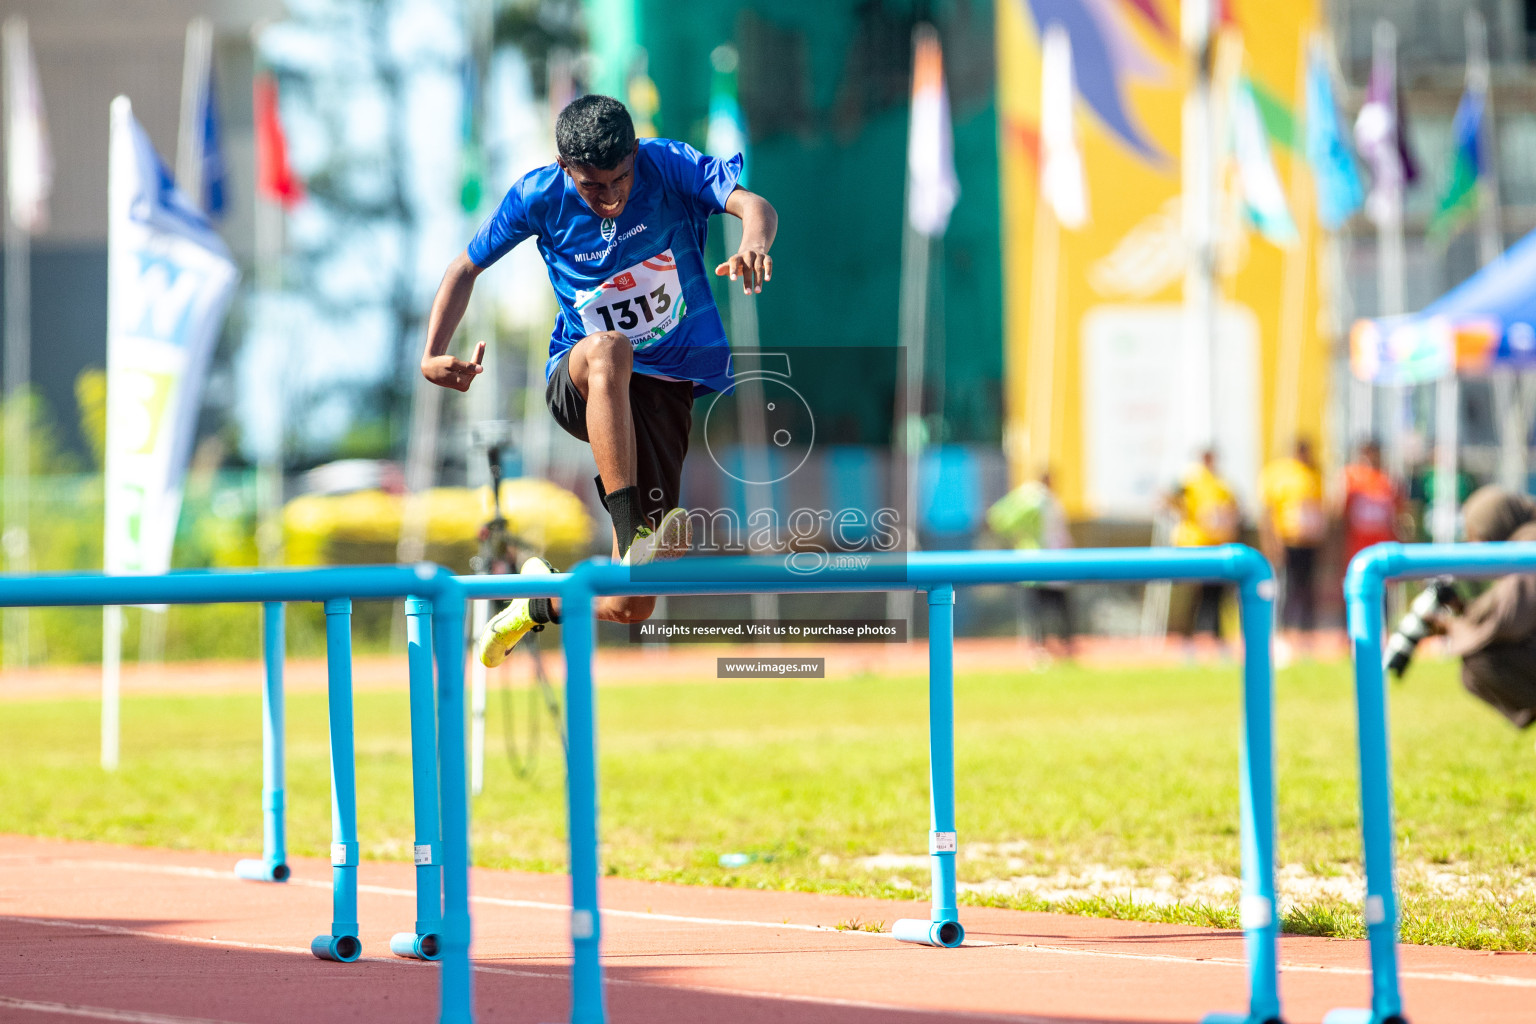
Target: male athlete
x,y
621,226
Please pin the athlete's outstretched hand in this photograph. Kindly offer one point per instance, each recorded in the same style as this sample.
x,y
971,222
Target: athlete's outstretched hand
x,y
753,266
446,371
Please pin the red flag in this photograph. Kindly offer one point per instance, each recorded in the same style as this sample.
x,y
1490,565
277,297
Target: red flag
x,y
275,180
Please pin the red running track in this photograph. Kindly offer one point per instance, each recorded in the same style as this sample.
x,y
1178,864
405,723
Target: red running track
x,y
94,932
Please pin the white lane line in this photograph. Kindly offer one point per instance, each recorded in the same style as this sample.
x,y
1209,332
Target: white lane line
x,y
737,993
493,901
142,933
1506,980
100,1012
1462,977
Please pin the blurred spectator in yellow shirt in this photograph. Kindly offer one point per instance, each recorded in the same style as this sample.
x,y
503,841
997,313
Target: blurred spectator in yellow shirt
x,y
1030,517
1208,515
1292,530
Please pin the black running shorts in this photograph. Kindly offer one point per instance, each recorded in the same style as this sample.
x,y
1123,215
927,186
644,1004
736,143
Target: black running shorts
x,y
663,414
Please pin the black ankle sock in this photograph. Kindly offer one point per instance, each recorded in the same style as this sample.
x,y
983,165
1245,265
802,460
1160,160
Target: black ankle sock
x,y
624,507
542,610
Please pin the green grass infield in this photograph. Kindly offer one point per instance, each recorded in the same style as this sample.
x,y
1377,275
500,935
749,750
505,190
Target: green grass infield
x,y
1104,792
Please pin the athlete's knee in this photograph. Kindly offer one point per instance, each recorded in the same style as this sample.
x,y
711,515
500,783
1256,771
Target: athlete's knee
x,y
636,609
609,356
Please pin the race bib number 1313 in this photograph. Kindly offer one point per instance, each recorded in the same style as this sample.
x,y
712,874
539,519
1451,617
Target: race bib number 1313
x,y
644,303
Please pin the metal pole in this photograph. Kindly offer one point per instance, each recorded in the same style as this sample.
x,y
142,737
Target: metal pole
x,y
1447,442
1043,302
1200,218
197,66
448,646
269,465
111,684
756,465
275,842
915,252
480,614
273,865
1391,271
1363,593
1259,909
1490,244
587,997
943,928
424,943
1490,230
342,943
1293,289
15,537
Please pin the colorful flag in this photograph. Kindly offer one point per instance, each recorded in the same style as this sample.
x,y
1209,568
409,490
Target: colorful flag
x,y
1062,184
1340,192
29,160
471,152
932,187
1263,196
1279,120
1381,136
727,134
275,180
215,180
169,282
1459,199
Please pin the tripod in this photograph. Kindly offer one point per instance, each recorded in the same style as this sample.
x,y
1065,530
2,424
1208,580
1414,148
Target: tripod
x,y
498,553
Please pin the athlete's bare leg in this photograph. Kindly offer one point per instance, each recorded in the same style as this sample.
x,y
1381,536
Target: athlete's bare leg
x,y
600,366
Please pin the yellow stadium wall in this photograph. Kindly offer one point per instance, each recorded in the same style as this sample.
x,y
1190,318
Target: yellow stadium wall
x,y
1126,192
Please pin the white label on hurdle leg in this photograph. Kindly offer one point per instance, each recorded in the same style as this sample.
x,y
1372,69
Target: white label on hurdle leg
x,y
339,854
1375,910
582,926
942,842
423,853
1255,911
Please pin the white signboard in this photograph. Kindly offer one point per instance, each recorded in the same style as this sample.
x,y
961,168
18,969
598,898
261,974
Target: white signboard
x,y
1135,387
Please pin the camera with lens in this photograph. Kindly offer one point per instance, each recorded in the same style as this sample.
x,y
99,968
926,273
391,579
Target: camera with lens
x,y
1421,620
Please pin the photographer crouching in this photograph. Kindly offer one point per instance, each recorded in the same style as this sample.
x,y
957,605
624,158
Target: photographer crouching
x,y
1495,636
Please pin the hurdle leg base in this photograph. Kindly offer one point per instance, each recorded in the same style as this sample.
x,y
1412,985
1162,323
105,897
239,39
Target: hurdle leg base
x,y
417,945
1237,1018
343,949
1356,1015
944,934
262,871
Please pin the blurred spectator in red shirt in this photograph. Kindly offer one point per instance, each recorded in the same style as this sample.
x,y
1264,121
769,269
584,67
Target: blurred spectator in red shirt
x,y
1370,502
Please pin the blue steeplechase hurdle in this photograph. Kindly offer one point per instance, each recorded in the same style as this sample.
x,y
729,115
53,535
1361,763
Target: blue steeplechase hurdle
x,y
937,574
1364,593
436,607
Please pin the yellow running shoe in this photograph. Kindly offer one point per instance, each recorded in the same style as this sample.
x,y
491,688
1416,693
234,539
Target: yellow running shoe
x,y
512,623
670,539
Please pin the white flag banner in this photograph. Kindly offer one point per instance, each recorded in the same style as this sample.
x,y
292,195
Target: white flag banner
x,y
28,160
1062,183
932,186
170,280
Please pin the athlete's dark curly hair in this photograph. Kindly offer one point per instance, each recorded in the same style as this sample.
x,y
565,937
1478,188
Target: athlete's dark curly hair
x,y
595,131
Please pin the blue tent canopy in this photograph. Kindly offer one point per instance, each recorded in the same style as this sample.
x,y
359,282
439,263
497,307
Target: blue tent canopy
x,y
1486,322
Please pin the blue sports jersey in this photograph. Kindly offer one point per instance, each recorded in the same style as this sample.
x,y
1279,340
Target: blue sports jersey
x,y
642,274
